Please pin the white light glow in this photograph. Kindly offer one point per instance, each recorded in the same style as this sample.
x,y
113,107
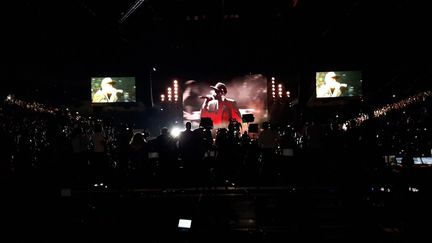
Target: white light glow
x,y
175,132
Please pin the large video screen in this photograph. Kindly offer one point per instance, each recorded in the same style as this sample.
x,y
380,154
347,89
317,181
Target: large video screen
x,y
338,84
113,89
222,101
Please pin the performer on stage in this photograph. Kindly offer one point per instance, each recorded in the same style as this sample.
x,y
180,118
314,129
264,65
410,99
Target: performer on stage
x,y
331,87
220,109
107,93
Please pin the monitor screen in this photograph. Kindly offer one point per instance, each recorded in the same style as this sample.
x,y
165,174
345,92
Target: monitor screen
x,y
338,84
422,160
222,101
426,160
113,89
399,160
185,223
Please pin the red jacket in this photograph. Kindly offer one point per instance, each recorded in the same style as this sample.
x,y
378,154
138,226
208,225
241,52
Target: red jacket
x,y
221,112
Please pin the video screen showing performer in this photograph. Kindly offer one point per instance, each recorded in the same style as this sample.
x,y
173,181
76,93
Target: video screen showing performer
x,y
225,102
338,84
113,90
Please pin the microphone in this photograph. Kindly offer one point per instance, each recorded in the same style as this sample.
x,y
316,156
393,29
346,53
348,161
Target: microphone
x,y
208,97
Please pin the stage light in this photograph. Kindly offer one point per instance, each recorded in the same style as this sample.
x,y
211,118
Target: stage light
x,y
413,189
273,78
344,127
162,97
185,223
169,94
175,132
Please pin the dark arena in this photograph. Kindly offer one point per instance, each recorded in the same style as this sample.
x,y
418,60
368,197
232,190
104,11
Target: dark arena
x,y
216,121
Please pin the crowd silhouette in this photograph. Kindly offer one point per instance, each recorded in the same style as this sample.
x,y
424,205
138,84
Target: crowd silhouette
x,y
78,150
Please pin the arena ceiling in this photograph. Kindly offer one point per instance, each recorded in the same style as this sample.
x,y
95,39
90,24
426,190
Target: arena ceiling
x,y
219,38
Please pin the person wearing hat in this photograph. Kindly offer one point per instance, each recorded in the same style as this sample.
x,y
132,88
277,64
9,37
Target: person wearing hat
x,y
220,109
331,87
107,93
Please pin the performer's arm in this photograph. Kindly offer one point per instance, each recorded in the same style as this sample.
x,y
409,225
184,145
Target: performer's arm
x,y
204,109
236,113
98,97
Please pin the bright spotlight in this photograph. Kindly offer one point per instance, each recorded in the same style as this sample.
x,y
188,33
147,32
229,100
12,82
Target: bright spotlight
x,y
185,223
175,132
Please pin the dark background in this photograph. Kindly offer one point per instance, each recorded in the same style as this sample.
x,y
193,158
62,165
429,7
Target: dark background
x,y
50,50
